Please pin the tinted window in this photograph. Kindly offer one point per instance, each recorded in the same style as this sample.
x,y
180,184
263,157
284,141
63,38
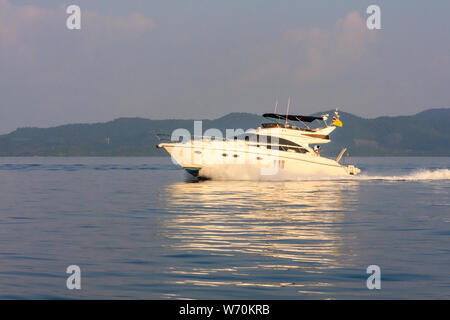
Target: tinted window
x,y
281,144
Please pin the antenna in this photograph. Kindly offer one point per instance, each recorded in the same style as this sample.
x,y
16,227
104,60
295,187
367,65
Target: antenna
x,y
287,111
276,106
325,118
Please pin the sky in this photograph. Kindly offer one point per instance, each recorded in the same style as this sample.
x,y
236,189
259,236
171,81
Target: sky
x,y
202,59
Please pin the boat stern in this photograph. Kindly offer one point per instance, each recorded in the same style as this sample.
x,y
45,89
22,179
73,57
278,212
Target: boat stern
x,y
352,170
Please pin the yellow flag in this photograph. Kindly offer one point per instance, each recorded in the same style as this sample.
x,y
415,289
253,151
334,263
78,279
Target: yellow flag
x,y
337,122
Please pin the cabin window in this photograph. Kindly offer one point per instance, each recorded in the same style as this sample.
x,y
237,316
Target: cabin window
x,y
276,141
272,142
235,155
224,154
198,152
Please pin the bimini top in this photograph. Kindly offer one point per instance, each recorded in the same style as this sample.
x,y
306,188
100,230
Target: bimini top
x,y
291,117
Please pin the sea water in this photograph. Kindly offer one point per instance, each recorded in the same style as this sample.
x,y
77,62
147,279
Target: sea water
x,y
141,228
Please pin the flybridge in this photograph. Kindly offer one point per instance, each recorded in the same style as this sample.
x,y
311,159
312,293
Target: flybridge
x,y
303,119
300,118
316,135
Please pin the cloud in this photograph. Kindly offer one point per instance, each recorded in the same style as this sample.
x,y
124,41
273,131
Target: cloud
x,y
14,21
330,51
28,34
49,73
17,22
310,55
134,23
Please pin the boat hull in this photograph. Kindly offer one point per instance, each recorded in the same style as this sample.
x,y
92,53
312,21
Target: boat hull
x,y
204,158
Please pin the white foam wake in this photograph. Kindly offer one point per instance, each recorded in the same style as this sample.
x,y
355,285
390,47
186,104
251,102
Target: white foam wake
x,y
418,175
249,173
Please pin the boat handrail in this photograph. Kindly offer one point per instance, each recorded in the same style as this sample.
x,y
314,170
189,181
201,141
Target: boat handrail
x,y
252,142
271,125
163,137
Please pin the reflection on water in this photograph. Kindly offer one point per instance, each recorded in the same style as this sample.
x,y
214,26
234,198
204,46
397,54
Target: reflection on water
x,y
294,225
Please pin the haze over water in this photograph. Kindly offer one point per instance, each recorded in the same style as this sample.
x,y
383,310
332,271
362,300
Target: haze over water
x,y
141,228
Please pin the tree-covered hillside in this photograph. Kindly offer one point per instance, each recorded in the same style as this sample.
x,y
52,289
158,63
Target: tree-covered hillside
x,y
424,134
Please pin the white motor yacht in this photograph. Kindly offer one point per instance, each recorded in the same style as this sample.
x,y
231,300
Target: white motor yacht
x,y
271,149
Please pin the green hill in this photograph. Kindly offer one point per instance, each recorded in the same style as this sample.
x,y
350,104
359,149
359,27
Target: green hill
x,y
424,134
